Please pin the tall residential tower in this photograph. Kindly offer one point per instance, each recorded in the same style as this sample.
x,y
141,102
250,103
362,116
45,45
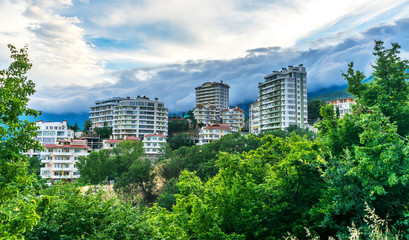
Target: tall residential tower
x,y
139,117
102,113
214,93
283,99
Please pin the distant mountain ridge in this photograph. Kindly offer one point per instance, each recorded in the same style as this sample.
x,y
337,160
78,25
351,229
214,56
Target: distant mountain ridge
x,y
325,94
328,96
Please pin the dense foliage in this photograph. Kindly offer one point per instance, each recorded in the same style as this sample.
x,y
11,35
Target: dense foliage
x,y
239,187
17,200
87,125
314,108
180,140
125,165
104,132
177,126
67,212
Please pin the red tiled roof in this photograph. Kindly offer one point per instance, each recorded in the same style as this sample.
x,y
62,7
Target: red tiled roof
x,y
66,146
199,105
221,127
132,138
238,108
113,141
159,135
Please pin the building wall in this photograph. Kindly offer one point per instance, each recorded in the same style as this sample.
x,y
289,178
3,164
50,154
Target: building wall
x,y
254,118
213,93
48,133
139,117
206,114
344,105
212,133
60,161
102,113
283,99
233,117
153,145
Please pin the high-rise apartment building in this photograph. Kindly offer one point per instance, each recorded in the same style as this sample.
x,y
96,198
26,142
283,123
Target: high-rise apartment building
x,y
102,113
254,117
214,93
206,114
233,117
139,117
48,133
60,160
283,99
153,145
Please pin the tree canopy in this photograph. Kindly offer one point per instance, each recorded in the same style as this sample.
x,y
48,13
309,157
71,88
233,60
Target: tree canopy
x,y
17,201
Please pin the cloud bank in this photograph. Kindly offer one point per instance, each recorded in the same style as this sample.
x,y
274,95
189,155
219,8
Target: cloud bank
x,y
175,83
87,50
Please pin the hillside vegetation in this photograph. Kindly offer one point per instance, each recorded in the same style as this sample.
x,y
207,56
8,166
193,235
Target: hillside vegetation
x,y
341,182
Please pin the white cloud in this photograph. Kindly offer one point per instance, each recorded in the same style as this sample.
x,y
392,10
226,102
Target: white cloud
x,y
170,47
57,47
226,29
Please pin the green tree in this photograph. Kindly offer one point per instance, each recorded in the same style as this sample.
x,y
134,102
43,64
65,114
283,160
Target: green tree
x,y
67,212
177,126
167,197
363,155
17,200
133,171
87,125
202,159
34,166
180,140
74,127
125,154
372,170
97,167
256,195
140,176
104,132
314,107
389,88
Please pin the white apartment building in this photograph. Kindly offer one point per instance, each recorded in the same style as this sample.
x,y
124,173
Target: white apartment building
x,y
48,133
139,117
233,117
214,93
102,113
206,114
344,105
283,99
213,133
153,144
60,160
254,118
109,144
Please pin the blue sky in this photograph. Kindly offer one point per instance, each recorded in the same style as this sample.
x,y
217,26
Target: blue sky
x,y
84,50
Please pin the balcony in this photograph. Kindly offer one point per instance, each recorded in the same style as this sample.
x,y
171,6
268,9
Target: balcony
x,y
62,153
62,177
62,161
